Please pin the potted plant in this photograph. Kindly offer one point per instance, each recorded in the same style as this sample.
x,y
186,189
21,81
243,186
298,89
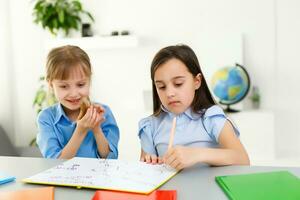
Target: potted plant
x,y
255,97
42,99
59,15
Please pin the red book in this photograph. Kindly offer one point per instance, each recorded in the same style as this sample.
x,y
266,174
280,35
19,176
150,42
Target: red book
x,y
155,195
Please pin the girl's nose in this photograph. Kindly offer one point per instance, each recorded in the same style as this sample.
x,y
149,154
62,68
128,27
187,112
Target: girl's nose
x,y
73,92
170,92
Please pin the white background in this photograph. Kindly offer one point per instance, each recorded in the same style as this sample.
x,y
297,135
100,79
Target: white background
x,y
270,51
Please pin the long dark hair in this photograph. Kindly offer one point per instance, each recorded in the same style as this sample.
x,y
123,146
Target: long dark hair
x,y
203,98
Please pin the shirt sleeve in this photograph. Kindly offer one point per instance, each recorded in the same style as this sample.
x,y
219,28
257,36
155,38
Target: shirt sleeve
x,y
146,136
214,121
47,139
111,132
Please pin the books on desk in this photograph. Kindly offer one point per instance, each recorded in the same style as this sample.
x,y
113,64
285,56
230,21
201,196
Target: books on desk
x,y
137,177
155,195
277,185
4,178
44,193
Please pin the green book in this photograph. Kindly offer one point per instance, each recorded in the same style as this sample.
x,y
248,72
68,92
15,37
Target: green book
x,y
279,185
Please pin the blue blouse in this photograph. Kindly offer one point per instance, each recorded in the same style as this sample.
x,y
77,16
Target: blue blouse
x,y
56,129
192,129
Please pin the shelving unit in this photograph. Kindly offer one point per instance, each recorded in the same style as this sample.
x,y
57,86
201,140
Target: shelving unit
x,y
95,42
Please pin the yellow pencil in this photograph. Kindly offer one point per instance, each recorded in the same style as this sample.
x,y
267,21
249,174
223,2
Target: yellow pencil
x,y
172,133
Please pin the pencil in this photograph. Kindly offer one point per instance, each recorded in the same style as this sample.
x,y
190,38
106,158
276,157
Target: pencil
x,y
172,133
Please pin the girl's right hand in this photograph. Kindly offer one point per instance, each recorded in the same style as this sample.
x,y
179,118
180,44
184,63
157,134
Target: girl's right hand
x,y
151,159
89,120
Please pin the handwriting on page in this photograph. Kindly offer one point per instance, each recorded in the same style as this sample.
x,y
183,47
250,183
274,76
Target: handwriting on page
x,y
106,174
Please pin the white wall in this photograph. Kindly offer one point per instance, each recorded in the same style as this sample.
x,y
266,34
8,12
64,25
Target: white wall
x,y
169,22
159,23
28,65
287,77
6,63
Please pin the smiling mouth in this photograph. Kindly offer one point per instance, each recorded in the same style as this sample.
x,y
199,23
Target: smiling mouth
x,y
75,101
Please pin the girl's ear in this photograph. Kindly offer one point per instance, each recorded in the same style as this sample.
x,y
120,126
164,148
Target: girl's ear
x,y
197,81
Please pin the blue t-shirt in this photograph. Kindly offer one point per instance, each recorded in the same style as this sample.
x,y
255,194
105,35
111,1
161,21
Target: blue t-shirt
x,y
192,130
56,129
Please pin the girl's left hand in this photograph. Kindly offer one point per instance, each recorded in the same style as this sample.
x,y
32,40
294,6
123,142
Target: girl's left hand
x,y
99,118
180,157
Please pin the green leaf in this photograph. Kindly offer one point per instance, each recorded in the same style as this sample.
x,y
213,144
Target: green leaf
x,y
51,100
38,6
90,16
55,23
33,143
40,96
61,16
77,5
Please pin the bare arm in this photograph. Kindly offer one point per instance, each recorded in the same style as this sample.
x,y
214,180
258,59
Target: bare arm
x,y
70,150
102,143
231,152
90,120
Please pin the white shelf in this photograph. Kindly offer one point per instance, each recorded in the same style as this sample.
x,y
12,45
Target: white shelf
x,y
95,43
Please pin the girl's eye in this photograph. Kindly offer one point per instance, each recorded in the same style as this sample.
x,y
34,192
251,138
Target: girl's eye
x,y
63,86
81,84
178,84
161,87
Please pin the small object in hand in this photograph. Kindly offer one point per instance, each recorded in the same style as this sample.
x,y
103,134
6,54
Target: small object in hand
x,y
172,133
85,104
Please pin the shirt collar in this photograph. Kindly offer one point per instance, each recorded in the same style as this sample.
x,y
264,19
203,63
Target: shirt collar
x,y
59,113
188,112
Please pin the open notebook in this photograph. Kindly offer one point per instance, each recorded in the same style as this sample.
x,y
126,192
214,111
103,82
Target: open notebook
x,y
108,174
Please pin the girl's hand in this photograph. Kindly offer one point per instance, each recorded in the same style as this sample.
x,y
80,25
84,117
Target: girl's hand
x,y
153,159
100,118
91,119
180,157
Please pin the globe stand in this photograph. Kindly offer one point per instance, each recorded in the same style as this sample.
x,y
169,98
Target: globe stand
x,y
230,110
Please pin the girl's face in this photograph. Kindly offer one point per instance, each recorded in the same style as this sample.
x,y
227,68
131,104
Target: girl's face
x,y
175,85
70,92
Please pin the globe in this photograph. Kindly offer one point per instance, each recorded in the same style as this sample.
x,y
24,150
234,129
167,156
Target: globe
x,y
230,85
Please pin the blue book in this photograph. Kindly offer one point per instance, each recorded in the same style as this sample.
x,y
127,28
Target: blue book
x,y
6,178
